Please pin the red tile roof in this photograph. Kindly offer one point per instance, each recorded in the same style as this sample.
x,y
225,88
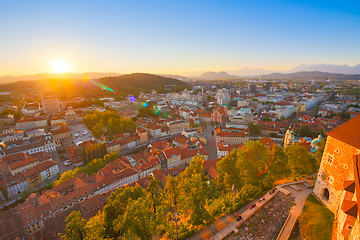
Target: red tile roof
x,y
267,141
86,144
349,132
22,163
31,119
74,154
64,128
41,156
15,157
172,151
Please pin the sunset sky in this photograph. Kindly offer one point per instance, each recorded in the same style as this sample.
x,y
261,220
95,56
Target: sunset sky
x,y
175,37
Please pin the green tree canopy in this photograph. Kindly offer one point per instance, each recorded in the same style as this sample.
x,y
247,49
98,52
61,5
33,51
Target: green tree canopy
x,y
254,129
300,160
109,122
75,227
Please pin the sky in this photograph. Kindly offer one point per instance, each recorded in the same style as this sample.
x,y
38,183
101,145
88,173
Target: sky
x,y
176,37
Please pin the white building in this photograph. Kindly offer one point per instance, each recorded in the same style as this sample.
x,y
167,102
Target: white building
x,y
15,184
48,169
285,111
120,178
223,97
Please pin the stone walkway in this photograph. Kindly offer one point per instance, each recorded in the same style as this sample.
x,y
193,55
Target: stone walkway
x,y
300,198
232,227
225,226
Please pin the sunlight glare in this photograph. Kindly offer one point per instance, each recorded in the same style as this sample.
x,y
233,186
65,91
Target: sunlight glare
x,y
60,66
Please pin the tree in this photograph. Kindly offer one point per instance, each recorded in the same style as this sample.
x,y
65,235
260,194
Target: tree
x,y
109,121
153,194
305,131
251,161
319,152
94,228
65,176
115,208
229,174
254,129
278,168
171,192
75,227
137,221
194,192
300,160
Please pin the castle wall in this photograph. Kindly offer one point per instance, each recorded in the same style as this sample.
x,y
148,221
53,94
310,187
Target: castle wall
x,y
336,167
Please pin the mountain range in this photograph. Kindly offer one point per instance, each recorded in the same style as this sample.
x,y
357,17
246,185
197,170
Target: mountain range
x,y
45,76
313,70
327,69
311,75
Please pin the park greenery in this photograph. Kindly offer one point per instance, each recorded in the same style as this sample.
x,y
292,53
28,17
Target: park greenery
x,y
305,131
108,122
193,197
92,167
91,152
254,129
8,111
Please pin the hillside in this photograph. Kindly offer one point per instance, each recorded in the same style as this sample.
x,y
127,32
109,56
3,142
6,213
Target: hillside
x,y
122,85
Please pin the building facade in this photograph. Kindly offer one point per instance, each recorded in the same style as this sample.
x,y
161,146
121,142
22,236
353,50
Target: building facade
x,y
338,185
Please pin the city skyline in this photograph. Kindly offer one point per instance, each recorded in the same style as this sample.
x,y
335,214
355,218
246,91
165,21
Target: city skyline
x,y
171,37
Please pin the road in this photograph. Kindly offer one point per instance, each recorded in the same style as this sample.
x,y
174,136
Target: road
x,y
210,142
80,133
60,163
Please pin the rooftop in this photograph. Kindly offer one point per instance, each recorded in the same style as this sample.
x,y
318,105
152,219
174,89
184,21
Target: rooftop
x,y
349,132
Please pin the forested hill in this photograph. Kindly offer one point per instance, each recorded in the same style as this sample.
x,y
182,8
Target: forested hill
x,y
121,85
143,81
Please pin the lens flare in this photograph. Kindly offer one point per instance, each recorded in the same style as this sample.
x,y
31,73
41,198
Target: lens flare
x,y
157,110
132,99
102,86
145,104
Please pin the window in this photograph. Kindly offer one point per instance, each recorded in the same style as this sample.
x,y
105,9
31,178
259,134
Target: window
x,y
330,158
326,194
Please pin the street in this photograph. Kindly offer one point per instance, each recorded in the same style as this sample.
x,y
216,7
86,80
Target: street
x,y
80,133
210,142
60,163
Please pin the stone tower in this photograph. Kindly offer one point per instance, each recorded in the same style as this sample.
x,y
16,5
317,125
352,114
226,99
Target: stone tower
x,y
337,185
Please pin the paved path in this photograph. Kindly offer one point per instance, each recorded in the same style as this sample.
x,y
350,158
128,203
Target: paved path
x,y
232,227
226,225
210,143
300,198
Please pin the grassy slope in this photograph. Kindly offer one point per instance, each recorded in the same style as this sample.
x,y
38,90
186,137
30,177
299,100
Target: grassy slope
x,y
316,220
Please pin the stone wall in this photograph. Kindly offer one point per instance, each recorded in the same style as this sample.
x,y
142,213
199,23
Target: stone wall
x,y
336,167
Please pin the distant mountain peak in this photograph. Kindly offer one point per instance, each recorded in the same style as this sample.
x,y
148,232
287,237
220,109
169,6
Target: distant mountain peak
x,y
216,75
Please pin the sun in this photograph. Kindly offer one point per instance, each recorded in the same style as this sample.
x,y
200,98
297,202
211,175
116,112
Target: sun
x,y
60,66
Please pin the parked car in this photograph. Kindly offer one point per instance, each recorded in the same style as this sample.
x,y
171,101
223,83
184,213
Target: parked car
x,y
67,162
